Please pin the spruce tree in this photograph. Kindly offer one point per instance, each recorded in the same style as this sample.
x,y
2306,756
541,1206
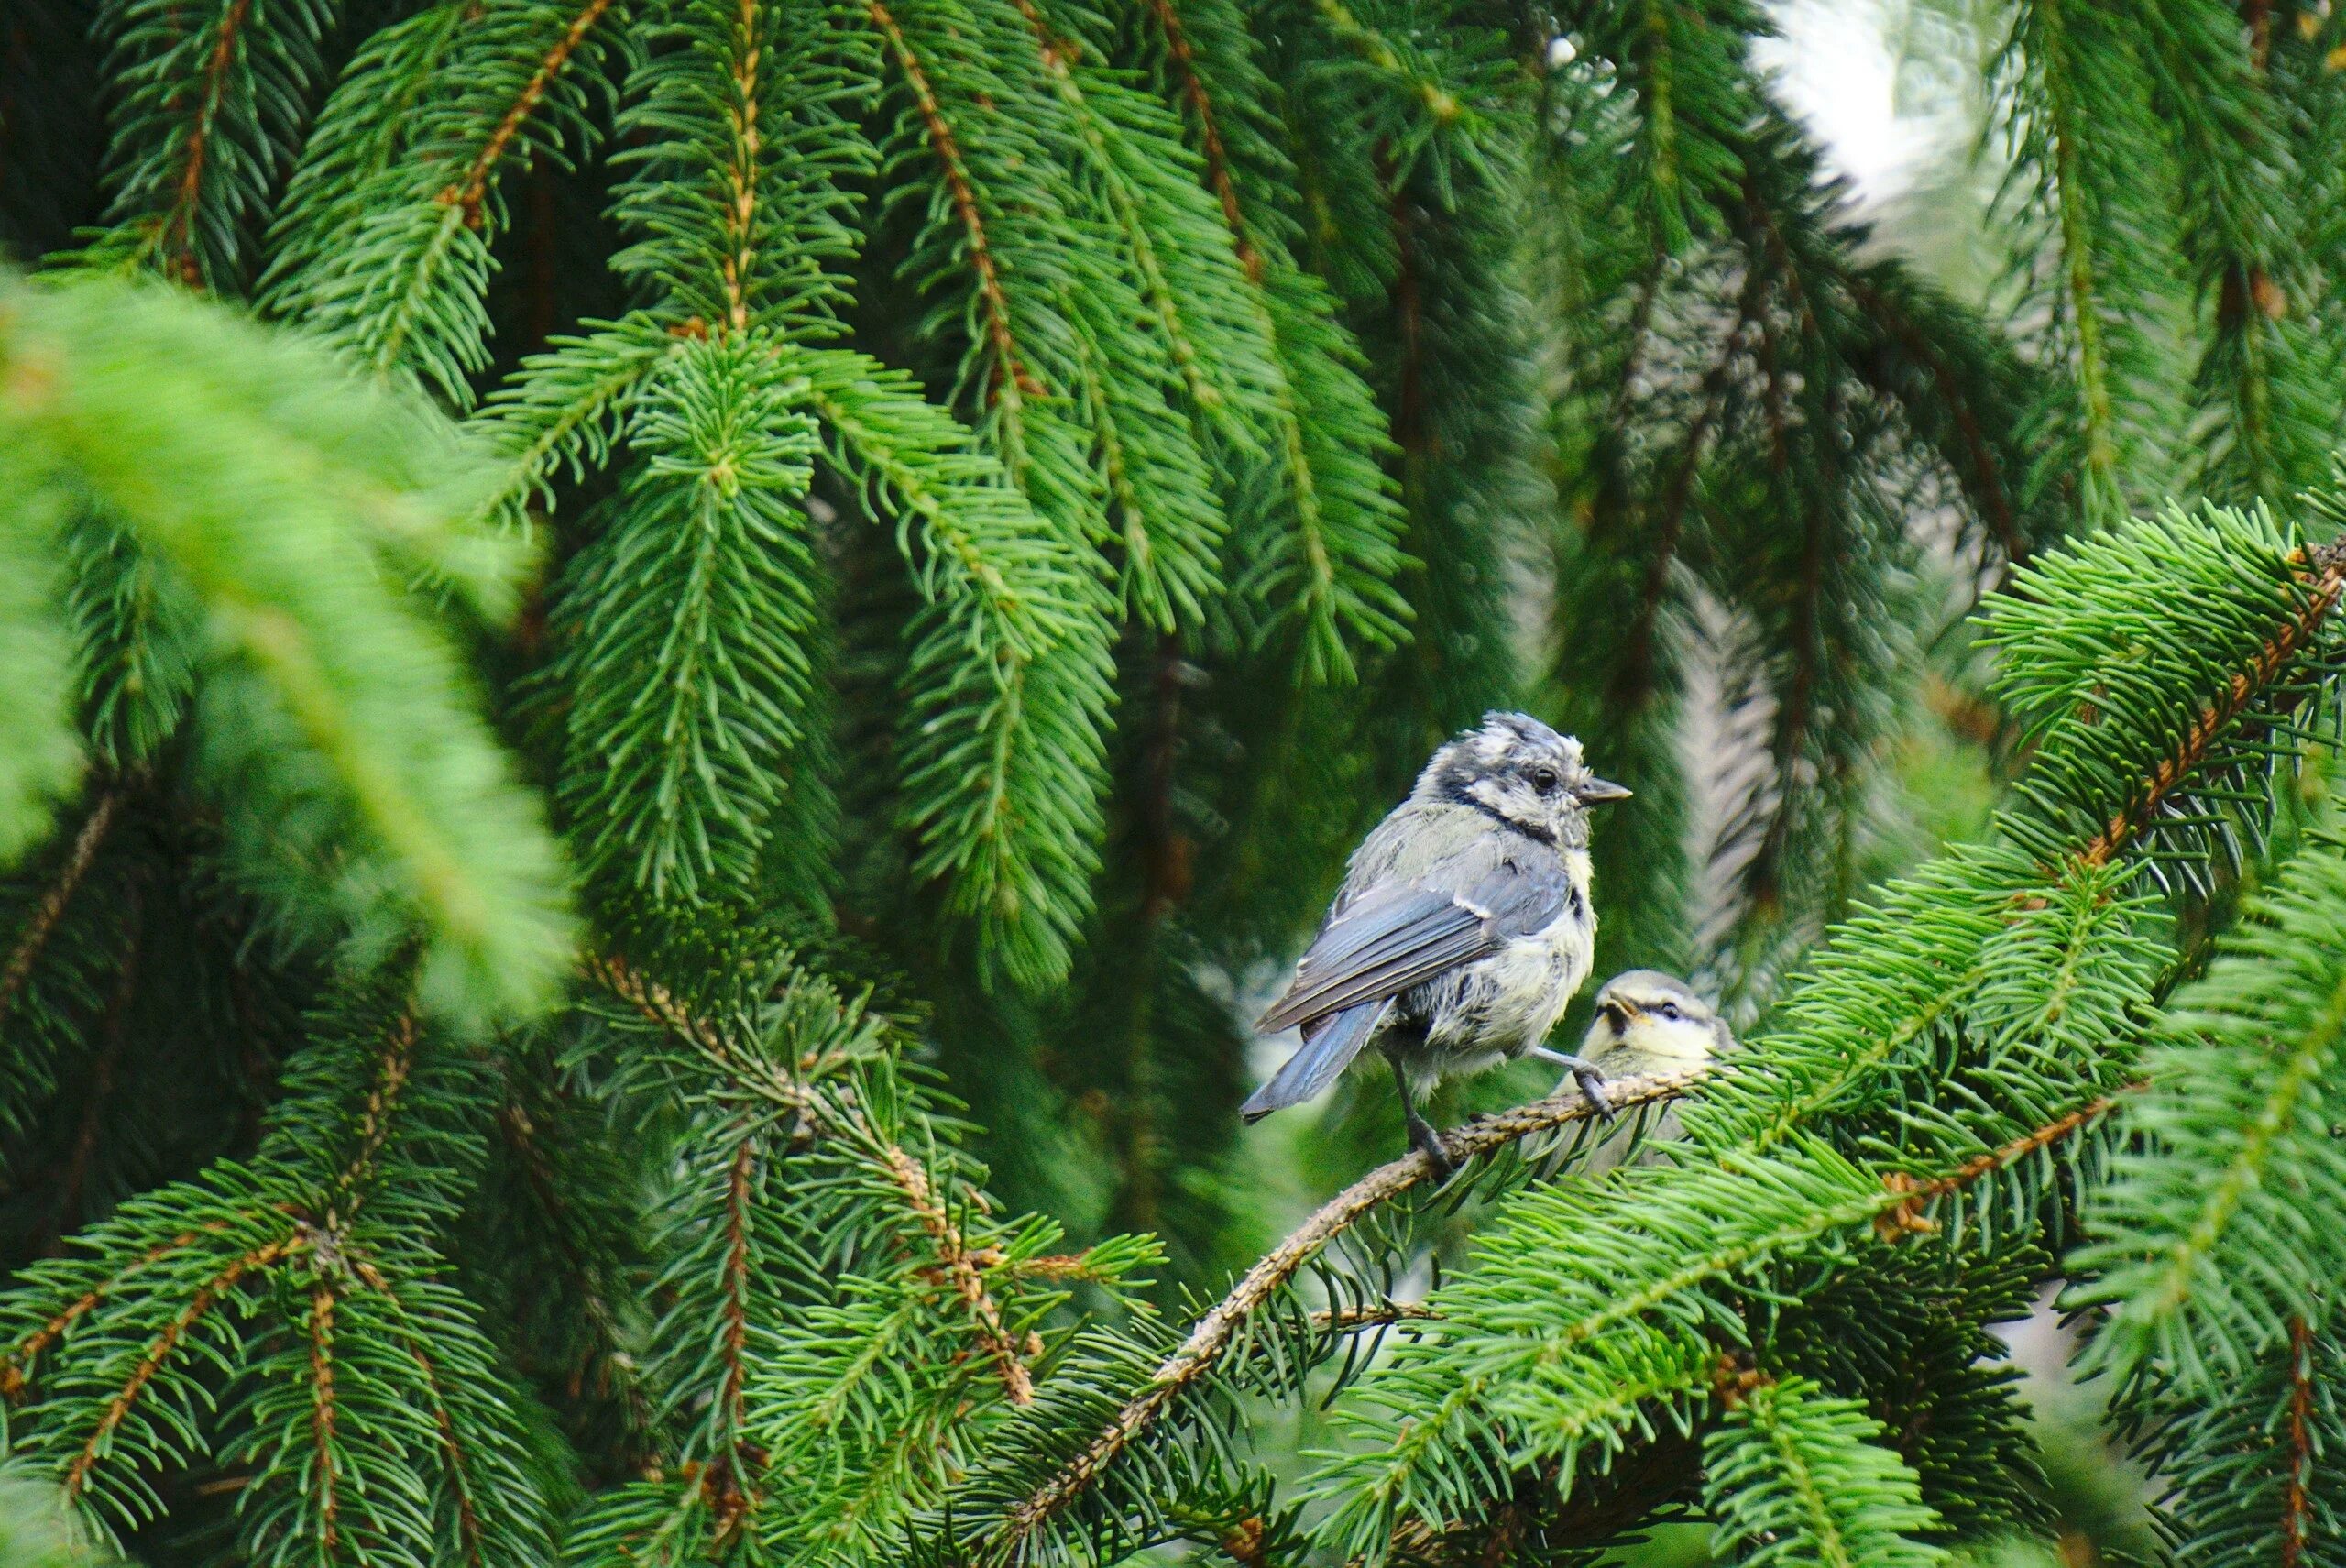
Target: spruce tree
x,y
667,667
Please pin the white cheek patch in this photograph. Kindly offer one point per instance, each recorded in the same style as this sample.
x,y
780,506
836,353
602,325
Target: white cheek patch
x,y
1679,1041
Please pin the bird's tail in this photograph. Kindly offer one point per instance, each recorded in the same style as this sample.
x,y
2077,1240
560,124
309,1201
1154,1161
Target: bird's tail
x,y
1329,1046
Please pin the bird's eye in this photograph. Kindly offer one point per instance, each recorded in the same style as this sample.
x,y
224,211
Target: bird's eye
x,y
1545,780
1669,1010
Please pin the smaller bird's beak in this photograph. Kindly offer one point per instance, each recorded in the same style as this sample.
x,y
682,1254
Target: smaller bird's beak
x,y
1597,791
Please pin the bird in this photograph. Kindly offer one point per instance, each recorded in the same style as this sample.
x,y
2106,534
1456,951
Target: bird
x,y
1645,1021
1462,929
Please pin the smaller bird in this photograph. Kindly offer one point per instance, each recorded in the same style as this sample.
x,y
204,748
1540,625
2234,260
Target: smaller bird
x,y
1463,927
1648,1021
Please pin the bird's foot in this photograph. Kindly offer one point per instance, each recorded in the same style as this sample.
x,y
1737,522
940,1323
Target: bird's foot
x,y
1427,1142
1592,1082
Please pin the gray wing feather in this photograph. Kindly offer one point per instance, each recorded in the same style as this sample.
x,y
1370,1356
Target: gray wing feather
x,y
1393,937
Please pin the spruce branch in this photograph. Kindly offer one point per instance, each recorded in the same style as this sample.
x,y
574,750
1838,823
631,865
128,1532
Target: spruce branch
x,y
1193,93
24,952
2324,579
166,1342
833,1112
1011,378
470,188
207,110
1214,1332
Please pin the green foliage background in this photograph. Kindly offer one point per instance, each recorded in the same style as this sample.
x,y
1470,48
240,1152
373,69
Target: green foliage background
x,y
669,669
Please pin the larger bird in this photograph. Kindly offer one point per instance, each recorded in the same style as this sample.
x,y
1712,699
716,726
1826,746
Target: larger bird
x,y
1462,929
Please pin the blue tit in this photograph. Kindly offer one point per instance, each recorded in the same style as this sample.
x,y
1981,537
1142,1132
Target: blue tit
x,y
1462,929
1647,1022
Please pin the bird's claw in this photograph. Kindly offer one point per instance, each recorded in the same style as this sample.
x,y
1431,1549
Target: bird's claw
x,y
1592,1086
1429,1143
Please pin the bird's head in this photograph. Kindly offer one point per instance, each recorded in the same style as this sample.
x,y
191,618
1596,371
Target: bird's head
x,y
1656,1017
1515,768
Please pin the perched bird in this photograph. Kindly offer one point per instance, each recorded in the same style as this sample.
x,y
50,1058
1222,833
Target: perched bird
x,y
1648,1021
1462,929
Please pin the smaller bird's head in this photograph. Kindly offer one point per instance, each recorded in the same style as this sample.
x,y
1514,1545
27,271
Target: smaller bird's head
x,y
1515,768
1657,1018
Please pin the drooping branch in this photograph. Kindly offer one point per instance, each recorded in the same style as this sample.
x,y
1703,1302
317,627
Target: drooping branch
x,y
1217,155
174,232
1011,376
467,192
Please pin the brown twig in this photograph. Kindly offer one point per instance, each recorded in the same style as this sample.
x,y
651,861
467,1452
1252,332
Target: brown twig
x,y
321,1413
1214,1332
1008,369
375,1119
740,218
731,1381
51,907
13,1367
1194,90
2273,657
467,194
2295,1505
969,1284
173,236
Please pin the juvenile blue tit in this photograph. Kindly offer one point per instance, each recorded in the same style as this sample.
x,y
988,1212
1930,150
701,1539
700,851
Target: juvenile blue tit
x,y
1647,1022
1462,929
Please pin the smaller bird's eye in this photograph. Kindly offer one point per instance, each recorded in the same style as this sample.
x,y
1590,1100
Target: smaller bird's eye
x,y
1545,780
1669,1010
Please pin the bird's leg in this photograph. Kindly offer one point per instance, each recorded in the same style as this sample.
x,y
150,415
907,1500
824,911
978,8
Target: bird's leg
x,y
1584,1073
1422,1136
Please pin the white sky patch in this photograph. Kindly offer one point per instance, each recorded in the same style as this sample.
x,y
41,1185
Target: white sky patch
x,y
1835,72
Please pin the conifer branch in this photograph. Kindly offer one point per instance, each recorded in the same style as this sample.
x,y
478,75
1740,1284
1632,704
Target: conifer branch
x,y
1214,1332
323,1476
1989,488
458,1473
968,1286
1634,676
45,916
392,1065
466,192
114,1039
1217,177
2295,1502
160,1351
2287,641
14,1367
1011,378
174,228
836,1115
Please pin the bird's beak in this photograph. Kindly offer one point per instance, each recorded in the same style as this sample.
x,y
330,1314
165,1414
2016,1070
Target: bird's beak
x,y
1597,791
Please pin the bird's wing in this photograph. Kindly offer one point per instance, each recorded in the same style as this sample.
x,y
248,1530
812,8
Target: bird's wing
x,y
1394,936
